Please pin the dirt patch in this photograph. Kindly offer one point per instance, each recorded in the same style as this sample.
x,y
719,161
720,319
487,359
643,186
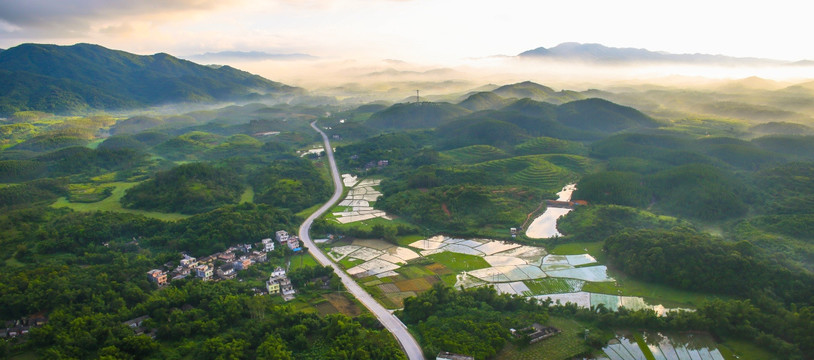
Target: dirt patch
x,y
438,269
325,308
389,288
398,298
433,280
446,210
342,304
420,284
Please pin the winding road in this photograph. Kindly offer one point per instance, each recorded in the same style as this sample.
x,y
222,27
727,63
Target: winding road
x,y
390,321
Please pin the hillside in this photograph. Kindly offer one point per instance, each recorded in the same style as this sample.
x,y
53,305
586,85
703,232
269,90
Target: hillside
x,y
602,115
483,101
598,53
415,115
66,79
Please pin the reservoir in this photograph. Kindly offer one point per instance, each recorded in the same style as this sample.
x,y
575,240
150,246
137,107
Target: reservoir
x,y
545,225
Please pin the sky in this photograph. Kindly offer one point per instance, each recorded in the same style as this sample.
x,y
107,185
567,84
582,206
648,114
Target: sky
x,y
425,31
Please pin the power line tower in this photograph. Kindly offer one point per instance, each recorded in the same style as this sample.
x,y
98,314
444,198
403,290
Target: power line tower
x,y
417,98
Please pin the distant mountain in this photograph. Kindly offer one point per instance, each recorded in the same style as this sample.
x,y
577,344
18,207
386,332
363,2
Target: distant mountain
x,y
597,53
246,55
534,91
67,79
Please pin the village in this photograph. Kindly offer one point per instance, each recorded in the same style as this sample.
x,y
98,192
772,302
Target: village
x,y
226,264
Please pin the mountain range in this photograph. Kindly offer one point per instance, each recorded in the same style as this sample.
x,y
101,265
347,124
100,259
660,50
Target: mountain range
x,y
598,53
81,77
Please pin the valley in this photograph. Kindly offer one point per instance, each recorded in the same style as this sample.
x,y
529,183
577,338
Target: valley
x,y
641,222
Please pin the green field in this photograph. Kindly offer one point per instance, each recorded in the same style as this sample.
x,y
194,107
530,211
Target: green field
x,y
459,262
553,285
112,203
302,260
247,196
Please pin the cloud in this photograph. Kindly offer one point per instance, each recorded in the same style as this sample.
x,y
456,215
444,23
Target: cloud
x,y
48,16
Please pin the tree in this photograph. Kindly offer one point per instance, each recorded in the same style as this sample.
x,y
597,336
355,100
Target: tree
x,y
273,348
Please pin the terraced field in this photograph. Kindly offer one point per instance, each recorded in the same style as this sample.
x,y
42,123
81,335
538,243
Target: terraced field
x,y
547,145
473,154
531,170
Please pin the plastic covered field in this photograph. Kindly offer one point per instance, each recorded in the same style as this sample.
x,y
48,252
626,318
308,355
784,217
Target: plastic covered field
x,y
402,253
581,298
339,252
427,244
349,180
373,267
461,249
366,253
493,247
496,260
591,273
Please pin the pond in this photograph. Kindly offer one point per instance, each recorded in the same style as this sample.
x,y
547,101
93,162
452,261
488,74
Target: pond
x,y
545,225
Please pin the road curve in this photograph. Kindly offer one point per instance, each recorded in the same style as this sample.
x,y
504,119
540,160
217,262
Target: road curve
x,y
390,321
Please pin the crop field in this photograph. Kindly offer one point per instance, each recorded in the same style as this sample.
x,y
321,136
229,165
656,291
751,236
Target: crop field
x,y
459,262
689,346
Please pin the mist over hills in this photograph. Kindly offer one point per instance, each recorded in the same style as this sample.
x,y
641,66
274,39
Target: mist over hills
x,y
81,77
598,53
246,55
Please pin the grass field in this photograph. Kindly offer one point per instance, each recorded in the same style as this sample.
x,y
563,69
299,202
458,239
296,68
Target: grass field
x,y
112,203
459,262
302,260
566,345
247,196
739,349
406,240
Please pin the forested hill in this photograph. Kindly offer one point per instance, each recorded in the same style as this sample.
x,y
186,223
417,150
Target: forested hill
x,y
64,79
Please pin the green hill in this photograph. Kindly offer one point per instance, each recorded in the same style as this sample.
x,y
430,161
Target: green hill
x,y
415,115
795,145
65,79
533,171
535,109
483,101
482,131
190,189
602,115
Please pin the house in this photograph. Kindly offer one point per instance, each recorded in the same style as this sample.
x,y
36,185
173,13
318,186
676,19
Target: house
x,y
244,248
294,243
189,261
278,272
286,288
226,256
383,163
268,245
243,263
157,276
281,236
536,332
273,287
259,257
226,272
136,324
450,356
204,272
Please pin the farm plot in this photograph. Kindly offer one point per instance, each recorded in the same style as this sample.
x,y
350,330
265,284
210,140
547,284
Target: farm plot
x,y
597,273
663,347
358,201
514,288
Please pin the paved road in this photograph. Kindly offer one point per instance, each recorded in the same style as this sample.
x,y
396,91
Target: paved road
x,y
390,321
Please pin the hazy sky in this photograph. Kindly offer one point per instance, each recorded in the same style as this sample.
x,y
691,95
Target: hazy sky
x,y
436,31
